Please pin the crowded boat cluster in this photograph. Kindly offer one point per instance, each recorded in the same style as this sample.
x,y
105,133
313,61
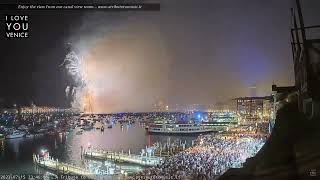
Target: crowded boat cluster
x,y
18,125
14,125
211,156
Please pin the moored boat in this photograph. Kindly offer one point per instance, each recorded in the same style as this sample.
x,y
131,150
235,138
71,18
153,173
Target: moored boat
x,y
30,135
38,134
179,129
87,127
15,134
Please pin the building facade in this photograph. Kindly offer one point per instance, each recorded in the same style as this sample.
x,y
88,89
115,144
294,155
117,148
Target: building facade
x,y
254,108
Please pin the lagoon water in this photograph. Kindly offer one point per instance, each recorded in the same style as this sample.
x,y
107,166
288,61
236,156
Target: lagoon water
x,y
16,154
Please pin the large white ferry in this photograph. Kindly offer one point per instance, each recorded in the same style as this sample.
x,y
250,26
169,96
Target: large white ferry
x,y
181,128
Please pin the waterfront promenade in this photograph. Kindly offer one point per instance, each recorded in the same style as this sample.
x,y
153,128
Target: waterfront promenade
x,y
122,157
64,168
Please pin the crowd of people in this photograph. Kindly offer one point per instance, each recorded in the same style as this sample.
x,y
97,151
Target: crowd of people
x,y
210,157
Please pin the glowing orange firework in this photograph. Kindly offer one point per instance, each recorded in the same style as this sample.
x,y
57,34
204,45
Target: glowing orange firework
x,y
87,100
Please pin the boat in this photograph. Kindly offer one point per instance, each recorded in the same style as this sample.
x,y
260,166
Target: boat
x,y
87,127
23,128
173,128
30,136
42,130
51,133
15,134
79,132
38,134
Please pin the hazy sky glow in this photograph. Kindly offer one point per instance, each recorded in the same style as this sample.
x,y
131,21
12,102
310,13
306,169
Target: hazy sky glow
x,y
185,54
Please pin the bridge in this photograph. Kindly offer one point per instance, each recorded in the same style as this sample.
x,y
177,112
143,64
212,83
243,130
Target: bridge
x,y
102,154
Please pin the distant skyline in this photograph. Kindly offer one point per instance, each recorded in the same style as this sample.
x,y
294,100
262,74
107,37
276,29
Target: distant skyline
x,y
195,53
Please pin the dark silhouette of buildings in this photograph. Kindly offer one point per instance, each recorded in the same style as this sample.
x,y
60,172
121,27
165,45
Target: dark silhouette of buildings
x,y
292,150
306,59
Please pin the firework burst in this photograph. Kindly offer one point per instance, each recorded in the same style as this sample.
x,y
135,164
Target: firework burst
x,y
77,86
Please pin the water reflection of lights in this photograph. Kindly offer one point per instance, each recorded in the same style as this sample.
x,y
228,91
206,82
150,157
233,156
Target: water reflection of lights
x,y
60,137
2,145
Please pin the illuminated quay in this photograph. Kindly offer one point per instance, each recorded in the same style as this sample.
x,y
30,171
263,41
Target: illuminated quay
x,y
63,168
100,154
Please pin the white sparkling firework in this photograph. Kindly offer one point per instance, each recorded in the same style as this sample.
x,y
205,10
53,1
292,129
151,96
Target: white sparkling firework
x,y
74,65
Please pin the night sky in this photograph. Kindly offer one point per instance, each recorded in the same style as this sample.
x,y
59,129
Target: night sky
x,y
188,52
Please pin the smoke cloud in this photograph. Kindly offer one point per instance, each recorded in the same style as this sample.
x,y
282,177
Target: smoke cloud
x,y
126,66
